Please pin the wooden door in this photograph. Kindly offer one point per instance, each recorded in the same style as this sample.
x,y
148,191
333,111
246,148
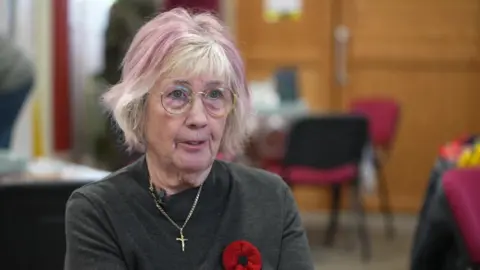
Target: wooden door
x,y
305,44
424,54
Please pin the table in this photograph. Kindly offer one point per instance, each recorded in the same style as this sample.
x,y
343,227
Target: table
x,y
49,169
33,203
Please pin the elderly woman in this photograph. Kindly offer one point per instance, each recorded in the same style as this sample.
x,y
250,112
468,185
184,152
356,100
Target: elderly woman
x,y
183,98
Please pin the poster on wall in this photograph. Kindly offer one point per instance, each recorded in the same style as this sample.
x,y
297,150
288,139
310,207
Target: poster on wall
x,y
282,10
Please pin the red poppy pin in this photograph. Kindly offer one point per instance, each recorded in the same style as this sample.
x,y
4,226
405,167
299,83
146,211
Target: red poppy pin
x,y
241,255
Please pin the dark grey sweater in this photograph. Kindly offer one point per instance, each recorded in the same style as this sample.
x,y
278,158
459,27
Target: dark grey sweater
x,y
114,224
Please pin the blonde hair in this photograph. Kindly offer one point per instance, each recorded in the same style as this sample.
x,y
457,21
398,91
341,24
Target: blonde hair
x,y
186,44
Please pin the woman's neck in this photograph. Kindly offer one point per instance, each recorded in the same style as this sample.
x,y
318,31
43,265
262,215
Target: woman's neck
x,y
172,181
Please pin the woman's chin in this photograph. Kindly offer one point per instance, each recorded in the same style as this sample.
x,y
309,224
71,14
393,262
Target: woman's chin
x,y
192,164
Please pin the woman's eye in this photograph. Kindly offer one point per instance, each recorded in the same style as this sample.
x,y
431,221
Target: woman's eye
x,y
177,93
215,94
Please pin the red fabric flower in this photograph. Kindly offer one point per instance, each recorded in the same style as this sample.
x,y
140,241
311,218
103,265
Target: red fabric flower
x,y
241,255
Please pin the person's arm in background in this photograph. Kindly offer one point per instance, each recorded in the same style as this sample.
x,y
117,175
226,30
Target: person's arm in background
x,y
295,251
90,239
116,37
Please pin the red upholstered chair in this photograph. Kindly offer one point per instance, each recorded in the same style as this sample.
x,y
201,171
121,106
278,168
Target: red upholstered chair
x,y
224,157
383,116
273,161
462,188
272,165
327,150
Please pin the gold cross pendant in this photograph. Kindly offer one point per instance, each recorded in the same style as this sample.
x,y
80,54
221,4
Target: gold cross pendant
x,y
183,240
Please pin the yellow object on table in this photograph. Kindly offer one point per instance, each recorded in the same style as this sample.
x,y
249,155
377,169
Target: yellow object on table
x,y
470,157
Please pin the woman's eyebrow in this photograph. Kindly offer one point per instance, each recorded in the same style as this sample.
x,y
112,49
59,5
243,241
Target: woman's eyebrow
x,y
214,83
184,82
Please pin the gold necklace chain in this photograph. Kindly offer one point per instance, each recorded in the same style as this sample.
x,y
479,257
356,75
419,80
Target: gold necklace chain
x,y
181,239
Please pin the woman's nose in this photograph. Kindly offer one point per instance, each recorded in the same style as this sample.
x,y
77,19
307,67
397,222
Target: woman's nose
x,y
197,115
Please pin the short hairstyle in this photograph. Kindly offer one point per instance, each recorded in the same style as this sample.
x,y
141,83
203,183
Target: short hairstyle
x,y
178,42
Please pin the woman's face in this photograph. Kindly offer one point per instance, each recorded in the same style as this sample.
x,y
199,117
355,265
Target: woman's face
x,y
182,126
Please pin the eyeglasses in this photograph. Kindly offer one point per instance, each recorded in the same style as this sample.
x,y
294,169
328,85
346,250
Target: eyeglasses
x,y
218,101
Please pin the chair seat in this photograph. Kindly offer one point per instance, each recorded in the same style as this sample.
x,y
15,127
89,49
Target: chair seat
x,y
308,175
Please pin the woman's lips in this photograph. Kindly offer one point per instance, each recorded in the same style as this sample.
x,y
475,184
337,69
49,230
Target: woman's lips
x,y
194,142
192,145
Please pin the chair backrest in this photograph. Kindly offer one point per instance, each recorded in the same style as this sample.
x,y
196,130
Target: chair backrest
x,y
461,188
383,115
325,142
32,231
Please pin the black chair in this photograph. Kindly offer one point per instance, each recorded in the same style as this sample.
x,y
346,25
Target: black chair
x,y
327,150
32,230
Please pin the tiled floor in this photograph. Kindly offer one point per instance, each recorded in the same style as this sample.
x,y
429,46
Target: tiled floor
x,y
386,254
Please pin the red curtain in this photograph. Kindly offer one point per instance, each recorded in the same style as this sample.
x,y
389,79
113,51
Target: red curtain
x,y
61,78
195,5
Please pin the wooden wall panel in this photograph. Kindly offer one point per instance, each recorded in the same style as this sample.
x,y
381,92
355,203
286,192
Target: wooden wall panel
x,y
424,54
304,44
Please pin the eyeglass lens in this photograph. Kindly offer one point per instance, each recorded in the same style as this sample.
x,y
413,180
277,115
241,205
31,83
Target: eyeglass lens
x,y
217,101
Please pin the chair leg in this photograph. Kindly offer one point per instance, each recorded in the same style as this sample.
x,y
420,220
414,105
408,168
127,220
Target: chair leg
x,y
359,211
385,206
332,228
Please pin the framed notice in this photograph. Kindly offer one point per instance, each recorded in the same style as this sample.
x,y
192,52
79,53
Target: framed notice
x,y
279,10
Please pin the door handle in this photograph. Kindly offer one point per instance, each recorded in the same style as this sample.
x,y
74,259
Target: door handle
x,y
342,37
